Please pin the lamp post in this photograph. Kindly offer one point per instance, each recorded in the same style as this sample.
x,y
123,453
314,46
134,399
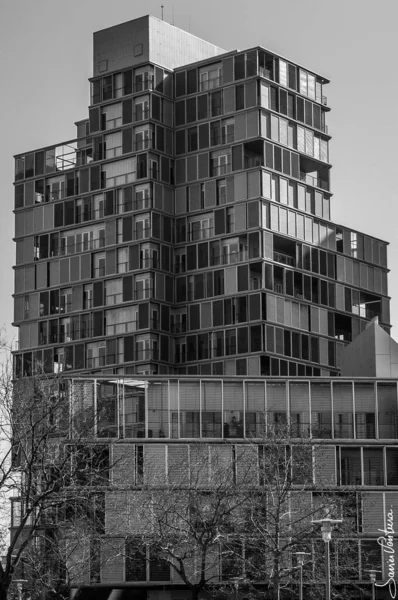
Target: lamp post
x,y
300,560
20,583
372,575
326,531
235,581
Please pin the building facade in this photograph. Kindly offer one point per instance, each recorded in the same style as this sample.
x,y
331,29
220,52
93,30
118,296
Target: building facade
x,y
158,421
177,262
187,229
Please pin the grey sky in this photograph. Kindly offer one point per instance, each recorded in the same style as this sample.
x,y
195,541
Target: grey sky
x,y
45,61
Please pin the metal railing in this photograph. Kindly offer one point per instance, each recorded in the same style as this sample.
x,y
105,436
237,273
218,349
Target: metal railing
x,y
179,328
82,246
228,258
200,234
217,169
373,477
315,181
284,259
113,123
218,138
351,477
210,84
109,92
130,326
264,72
253,161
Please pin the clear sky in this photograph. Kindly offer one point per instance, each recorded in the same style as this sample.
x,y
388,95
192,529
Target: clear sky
x,y
46,60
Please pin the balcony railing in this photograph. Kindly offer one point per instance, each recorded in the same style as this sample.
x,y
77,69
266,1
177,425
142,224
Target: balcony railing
x,y
343,431
130,326
179,328
264,72
112,359
218,138
253,161
76,333
210,84
374,477
113,123
217,170
315,181
285,259
234,257
351,477
201,234
111,93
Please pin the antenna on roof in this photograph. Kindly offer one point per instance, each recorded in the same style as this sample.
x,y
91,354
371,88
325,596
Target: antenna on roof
x,y
161,6
173,16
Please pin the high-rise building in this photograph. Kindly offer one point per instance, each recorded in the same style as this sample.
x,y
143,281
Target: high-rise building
x,y
187,229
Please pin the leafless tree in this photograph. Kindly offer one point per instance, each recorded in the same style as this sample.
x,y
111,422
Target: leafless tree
x,y
49,471
232,516
186,514
295,488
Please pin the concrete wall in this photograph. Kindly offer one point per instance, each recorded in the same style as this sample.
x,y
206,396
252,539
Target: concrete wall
x,y
372,354
118,46
147,39
172,47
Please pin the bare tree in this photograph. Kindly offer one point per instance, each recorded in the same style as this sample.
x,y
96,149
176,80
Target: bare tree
x,y
233,515
187,514
49,469
295,487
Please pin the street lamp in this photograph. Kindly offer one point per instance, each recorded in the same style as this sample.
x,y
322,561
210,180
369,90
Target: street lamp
x,y
326,530
20,583
372,575
300,560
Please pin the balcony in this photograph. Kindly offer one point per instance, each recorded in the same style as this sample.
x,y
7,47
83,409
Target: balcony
x,y
253,161
315,181
217,169
253,153
210,84
351,477
130,326
228,258
109,91
201,234
264,72
284,259
374,477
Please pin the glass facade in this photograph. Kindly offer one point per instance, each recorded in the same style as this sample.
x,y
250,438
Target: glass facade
x,y
148,430
187,230
224,408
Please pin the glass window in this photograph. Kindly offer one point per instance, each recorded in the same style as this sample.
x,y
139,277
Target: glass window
x,y
350,466
387,404
239,70
392,466
282,72
240,97
373,466
203,107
